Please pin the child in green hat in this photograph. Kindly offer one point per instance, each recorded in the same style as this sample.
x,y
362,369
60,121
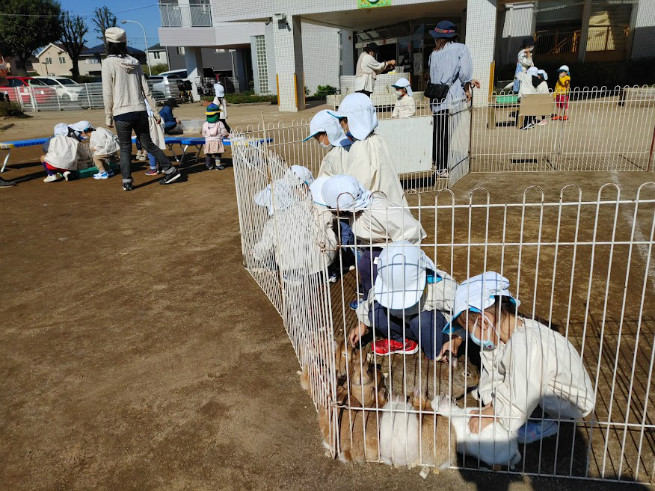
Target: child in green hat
x,y
214,131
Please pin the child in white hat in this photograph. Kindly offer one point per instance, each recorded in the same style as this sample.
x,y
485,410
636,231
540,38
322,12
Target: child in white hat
x,y
405,106
369,160
327,131
408,303
525,363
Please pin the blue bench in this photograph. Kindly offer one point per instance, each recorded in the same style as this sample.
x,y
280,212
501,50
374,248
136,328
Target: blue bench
x,y
9,145
199,141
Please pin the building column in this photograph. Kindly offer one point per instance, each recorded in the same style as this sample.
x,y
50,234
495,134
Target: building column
x,y
584,31
643,44
481,41
347,38
193,62
287,38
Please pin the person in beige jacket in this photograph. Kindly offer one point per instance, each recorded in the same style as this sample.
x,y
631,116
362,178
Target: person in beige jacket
x,y
104,146
123,89
368,69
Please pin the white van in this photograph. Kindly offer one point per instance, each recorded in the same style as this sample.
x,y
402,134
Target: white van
x,y
165,81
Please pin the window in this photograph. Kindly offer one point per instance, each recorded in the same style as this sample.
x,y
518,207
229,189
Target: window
x,y
262,69
157,55
15,82
62,60
180,50
48,61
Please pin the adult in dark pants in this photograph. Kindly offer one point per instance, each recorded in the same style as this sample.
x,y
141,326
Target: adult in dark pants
x,y
450,64
123,89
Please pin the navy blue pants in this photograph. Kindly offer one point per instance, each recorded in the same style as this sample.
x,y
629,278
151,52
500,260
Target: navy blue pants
x,y
367,269
426,328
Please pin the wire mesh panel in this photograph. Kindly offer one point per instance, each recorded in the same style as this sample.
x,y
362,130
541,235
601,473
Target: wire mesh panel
x,y
566,387
584,130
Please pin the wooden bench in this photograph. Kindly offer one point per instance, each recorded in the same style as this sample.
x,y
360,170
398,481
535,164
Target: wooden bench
x,y
535,105
500,101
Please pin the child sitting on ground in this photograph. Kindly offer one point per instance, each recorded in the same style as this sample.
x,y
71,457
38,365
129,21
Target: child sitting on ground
x,y
105,147
59,154
562,93
214,131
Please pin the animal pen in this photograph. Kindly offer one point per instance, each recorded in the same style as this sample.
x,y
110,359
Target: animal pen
x,y
581,261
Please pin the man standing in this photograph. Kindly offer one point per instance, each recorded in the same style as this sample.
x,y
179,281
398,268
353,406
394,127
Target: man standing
x,y
368,69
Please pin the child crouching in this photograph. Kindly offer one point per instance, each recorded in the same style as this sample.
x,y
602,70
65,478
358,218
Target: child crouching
x,y
59,154
214,131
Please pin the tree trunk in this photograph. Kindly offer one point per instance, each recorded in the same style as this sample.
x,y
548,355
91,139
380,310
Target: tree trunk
x,y
75,71
21,65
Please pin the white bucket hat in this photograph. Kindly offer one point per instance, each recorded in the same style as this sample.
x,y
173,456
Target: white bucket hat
x,y
61,129
543,74
403,83
533,71
360,111
324,122
402,275
341,192
284,189
478,293
219,90
80,126
563,68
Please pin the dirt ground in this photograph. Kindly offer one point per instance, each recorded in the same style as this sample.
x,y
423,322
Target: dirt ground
x,y
129,361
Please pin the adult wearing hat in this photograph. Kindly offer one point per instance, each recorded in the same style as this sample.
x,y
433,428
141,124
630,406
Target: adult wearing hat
x,y
172,125
451,70
368,69
123,89
408,303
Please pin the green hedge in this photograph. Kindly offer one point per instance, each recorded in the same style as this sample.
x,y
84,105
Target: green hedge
x,y
10,109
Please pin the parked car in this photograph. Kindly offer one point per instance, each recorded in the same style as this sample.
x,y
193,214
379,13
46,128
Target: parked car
x,y
165,81
66,88
26,88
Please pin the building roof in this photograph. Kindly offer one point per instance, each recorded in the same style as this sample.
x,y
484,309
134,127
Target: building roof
x,y
56,45
156,47
99,50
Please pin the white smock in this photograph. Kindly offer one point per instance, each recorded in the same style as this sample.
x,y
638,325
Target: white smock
x,y
405,107
307,243
335,162
62,152
437,296
370,163
525,84
103,142
384,221
367,71
537,366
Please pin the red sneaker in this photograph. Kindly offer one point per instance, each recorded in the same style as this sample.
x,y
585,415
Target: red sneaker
x,y
565,118
556,118
390,347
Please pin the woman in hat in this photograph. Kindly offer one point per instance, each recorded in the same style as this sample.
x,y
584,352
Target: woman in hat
x,y
525,363
405,106
214,131
368,69
123,88
451,67
406,305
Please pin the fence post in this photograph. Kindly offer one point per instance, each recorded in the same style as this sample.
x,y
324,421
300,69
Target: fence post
x,y
88,98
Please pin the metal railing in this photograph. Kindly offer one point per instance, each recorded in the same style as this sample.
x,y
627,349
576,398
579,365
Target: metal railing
x,y
82,96
599,38
581,262
171,15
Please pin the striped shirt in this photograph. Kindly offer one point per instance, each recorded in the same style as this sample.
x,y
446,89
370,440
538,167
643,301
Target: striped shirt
x,y
451,65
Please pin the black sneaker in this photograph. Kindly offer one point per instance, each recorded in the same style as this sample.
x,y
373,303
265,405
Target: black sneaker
x,y
127,186
169,178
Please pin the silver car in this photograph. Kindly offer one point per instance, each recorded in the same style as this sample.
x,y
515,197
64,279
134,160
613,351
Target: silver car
x,y
66,88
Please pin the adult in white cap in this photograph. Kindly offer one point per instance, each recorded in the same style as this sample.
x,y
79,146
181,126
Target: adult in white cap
x,y
408,304
303,231
123,89
369,160
525,363
368,68
375,221
451,74
405,106
326,130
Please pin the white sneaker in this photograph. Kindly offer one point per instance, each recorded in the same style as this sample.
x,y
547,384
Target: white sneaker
x,y
543,122
67,175
51,178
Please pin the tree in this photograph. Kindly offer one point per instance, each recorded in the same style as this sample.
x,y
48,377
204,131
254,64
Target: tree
x,y
73,30
103,19
32,25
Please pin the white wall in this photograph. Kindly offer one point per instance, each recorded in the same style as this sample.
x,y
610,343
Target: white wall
x,y
320,47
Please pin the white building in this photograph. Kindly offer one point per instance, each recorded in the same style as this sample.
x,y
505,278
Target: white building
x,y
286,45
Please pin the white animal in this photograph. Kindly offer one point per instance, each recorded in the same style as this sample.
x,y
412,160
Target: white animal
x,y
494,445
399,434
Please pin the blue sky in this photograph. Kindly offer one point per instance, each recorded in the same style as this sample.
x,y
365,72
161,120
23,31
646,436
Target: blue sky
x,y
144,11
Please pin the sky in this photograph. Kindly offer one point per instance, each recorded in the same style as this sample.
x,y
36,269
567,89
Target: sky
x,y
144,11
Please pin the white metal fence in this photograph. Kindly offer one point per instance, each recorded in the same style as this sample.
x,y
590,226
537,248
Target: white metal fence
x,y
73,97
581,262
